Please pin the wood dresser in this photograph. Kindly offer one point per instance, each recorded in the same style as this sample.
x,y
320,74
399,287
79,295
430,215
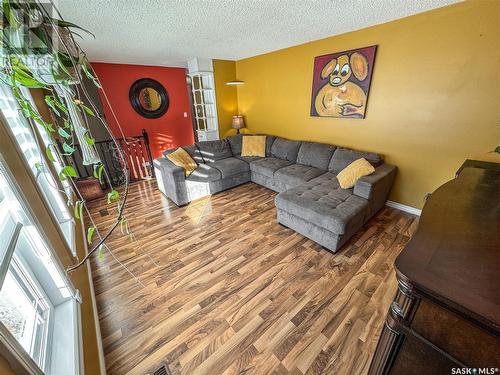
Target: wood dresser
x,y
445,317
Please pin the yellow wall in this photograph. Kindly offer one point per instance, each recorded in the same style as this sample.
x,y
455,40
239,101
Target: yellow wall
x,y
226,95
434,98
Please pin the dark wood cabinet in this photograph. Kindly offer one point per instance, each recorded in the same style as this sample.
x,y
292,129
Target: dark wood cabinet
x,y
446,313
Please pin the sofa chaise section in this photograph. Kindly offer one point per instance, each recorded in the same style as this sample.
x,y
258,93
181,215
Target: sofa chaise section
x,y
321,210
330,215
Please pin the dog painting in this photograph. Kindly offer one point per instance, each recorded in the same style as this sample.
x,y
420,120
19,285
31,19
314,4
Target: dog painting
x,y
341,83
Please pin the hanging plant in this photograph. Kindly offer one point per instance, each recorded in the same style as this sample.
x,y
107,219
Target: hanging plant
x,y
39,51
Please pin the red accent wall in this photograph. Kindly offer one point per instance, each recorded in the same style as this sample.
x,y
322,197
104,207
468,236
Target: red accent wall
x,y
170,130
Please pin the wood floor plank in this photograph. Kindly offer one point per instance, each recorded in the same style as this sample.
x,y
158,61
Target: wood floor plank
x,y
226,290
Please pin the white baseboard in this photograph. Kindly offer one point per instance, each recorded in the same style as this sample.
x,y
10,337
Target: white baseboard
x,y
404,207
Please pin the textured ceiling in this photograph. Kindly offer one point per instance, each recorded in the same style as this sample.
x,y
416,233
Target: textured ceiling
x,y
170,32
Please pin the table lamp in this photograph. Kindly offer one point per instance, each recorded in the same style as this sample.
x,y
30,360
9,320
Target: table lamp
x,y
238,123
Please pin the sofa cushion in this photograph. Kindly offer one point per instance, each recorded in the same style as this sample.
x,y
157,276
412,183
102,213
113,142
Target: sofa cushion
x,y
253,145
342,157
297,174
348,176
214,150
285,149
204,173
316,155
181,158
235,142
322,202
267,166
269,143
248,159
230,166
192,150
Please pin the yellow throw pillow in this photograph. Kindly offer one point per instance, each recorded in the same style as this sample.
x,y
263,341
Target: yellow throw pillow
x,y
253,145
182,159
353,172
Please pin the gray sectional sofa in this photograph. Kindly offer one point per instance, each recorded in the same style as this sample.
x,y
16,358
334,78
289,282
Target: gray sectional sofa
x,y
310,200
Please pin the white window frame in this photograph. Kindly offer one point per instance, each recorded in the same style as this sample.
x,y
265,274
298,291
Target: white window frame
x,y
19,268
63,353
64,219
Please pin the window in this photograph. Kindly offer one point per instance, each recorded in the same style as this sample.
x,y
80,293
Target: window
x,y
54,191
25,311
38,305
205,110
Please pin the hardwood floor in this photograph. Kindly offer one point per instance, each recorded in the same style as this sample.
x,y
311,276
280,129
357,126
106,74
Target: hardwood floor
x,y
226,290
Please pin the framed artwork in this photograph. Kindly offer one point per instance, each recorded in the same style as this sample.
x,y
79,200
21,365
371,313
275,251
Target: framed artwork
x,y
341,83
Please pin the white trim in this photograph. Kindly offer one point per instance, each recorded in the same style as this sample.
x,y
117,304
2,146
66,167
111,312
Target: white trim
x,y
404,207
79,344
66,342
7,256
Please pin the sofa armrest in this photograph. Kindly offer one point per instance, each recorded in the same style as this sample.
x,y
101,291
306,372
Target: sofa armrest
x,y
376,186
171,180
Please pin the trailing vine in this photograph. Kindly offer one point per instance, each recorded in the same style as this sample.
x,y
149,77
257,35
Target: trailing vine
x,y
39,51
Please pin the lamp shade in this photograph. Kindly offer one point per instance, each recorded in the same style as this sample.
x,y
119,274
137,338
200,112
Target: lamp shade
x,y
238,122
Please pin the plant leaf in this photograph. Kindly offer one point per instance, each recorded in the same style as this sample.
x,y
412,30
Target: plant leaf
x,y
69,171
90,234
100,254
9,14
98,169
55,104
78,211
24,79
89,75
50,102
67,148
49,153
67,24
88,110
497,149
123,224
60,105
63,133
113,195
67,124
32,113
90,141
61,58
